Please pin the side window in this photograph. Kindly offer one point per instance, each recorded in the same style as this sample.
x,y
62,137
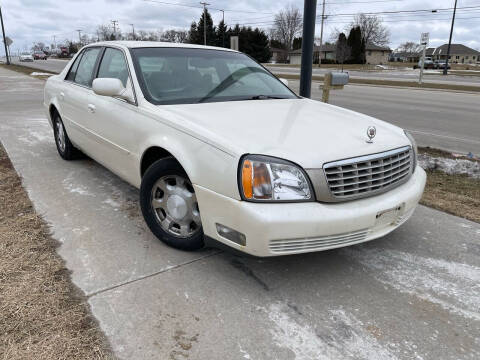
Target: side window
x,y
113,65
84,75
73,69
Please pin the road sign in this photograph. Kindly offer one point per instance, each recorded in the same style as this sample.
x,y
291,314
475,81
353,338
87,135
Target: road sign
x,y
8,41
424,39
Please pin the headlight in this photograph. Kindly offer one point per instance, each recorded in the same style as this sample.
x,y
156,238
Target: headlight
x,y
263,178
415,149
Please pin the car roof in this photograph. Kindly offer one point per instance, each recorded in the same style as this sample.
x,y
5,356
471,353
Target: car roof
x,y
159,44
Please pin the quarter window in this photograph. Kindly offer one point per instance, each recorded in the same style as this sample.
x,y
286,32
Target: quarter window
x,y
73,69
113,65
84,75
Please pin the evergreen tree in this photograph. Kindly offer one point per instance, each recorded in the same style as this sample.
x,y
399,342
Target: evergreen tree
x,y
222,39
357,46
211,36
193,36
297,43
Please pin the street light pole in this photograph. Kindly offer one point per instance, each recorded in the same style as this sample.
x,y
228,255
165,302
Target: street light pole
x,y
223,31
445,70
321,36
133,32
204,22
79,37
4,39
309,15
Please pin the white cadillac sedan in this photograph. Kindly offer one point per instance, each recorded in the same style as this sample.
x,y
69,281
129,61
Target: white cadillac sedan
x,y
223,151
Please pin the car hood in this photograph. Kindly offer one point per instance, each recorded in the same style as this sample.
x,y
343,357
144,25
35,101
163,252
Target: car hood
x,y
304,131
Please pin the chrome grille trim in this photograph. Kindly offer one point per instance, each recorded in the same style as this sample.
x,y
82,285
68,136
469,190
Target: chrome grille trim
x,y
317,243
368,175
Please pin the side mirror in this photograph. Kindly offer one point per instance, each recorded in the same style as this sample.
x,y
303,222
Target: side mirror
x,y
285,81
111,87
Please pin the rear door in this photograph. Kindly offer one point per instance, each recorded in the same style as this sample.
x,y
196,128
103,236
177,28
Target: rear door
x,y
74,99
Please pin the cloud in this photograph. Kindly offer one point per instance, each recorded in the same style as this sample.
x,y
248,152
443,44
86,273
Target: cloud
x,y
27,21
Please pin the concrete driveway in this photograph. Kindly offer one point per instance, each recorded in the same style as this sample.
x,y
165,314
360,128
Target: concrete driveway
x,y
412,295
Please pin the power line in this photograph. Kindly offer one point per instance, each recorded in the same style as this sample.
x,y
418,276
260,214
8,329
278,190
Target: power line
x,y
200,7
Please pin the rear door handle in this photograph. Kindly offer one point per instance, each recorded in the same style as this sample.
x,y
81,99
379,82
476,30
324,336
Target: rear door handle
x,y
91,108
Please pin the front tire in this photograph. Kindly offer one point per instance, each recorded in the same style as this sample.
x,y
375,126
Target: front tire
x,y
169,205
64,146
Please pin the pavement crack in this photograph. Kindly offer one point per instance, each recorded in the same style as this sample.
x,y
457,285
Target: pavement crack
x,y
169,268
247,271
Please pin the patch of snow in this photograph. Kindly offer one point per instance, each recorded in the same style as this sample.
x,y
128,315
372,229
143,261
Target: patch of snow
x,y
453,286
40,74
450,166
344,338
36,137
78,189
245,354
112,203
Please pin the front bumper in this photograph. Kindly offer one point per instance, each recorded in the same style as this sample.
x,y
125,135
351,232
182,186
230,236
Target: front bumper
x,y
292,228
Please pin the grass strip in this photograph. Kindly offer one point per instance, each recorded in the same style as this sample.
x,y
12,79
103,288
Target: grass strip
x,y
42,314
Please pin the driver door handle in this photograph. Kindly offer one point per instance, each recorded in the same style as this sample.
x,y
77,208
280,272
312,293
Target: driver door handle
x,y
91,108
62,95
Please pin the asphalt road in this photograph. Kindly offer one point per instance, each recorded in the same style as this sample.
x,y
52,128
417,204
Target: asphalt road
x,y
431,76
410,295
52,65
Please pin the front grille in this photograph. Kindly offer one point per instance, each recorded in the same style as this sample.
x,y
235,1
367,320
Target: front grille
x,y
365,175
318,243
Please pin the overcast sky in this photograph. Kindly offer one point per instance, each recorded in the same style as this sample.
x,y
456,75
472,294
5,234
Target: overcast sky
x,y
27,21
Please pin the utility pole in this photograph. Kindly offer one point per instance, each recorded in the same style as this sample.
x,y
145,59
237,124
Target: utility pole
x,y
54,42
223,31
445,70
79,36
204,22
114,22
321,35
4,40
309,15
133,31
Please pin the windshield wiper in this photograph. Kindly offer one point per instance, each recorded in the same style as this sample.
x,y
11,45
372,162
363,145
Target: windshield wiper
x,y
264,97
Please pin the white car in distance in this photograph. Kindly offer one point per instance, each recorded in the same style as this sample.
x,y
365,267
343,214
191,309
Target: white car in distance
x,y
222,150
26,57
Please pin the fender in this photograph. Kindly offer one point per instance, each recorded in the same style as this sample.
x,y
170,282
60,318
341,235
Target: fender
x,y
199,160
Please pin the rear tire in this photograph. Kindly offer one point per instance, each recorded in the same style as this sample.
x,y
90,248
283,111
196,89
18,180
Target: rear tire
x,y
170,207
65,148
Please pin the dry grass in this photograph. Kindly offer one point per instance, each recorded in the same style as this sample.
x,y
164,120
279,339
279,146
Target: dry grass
x,y
42,314
455,194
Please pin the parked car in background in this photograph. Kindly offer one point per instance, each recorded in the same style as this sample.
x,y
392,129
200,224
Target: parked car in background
x,y
26,57
429,64
39,55
440,64
223,151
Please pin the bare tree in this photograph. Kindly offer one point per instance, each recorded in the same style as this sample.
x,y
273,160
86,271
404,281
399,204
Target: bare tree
x,y
104,32
373,30
288,24
176,36
409,47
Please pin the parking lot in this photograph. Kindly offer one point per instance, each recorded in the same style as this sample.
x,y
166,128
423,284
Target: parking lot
x,y
412,294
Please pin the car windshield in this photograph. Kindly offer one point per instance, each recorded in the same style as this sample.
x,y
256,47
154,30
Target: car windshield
x,y
189,76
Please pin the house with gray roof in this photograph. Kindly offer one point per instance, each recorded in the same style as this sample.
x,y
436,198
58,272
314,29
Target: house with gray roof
x,y
459,54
